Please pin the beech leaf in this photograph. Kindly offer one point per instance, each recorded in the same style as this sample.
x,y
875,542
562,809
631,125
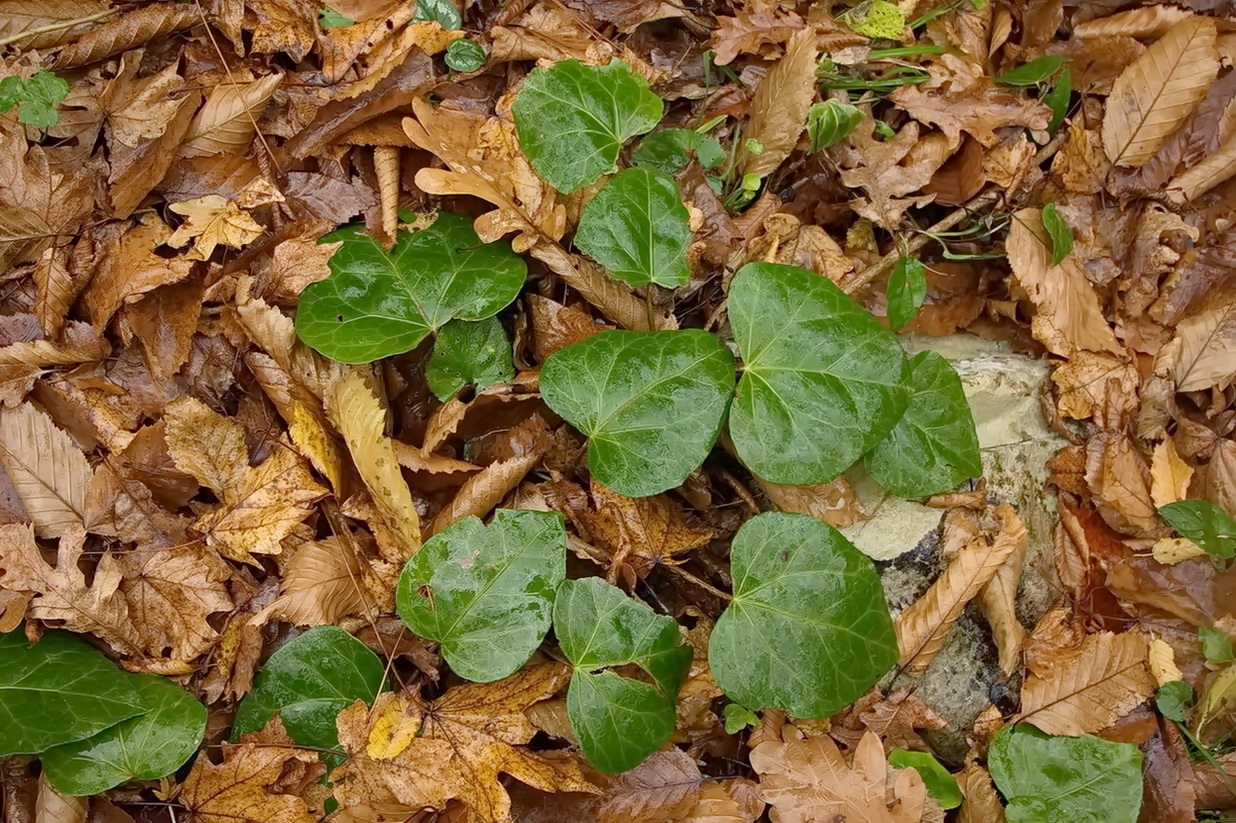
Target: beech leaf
x,y
813,360
636,227
934,445
651,403
377,303
484,593
808,630
617,720
572,119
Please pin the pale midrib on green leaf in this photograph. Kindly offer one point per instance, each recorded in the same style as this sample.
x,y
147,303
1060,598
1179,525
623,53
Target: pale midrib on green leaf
x,y
390,262
509,560
639,395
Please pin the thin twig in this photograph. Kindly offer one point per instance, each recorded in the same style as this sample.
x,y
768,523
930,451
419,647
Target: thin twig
x,y
977,203
63,24
698,581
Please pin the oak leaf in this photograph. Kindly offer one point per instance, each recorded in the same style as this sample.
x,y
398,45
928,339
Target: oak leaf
x,y
247,787
418,754
807,780
1155,94
922,628
755,26
885,173
779,107
47,469
896,718
211,221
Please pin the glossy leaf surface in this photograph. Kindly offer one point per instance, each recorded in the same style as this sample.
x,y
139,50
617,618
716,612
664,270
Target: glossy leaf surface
x,y
1207,525
469,353
907,289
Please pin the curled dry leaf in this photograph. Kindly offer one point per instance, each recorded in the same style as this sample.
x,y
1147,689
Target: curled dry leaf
x,y
212,221
779,107
998,602
250,785
980,803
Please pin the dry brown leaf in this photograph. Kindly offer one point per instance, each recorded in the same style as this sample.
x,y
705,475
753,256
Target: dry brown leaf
x,y
321,585
1169,474
756,25
408,752
807,780
1154,95
130,268
36,204
922,628
206,445
896,718
360,418
1067,316
1161,658
47,469
163,324
835,503
386,169
226,123
548,32
664,787
19,17
642,533
779,107
212,221
1082,382
879,168
54,807
57,289
1204,351
249,785
715,805
1117,475
134,28
1145,23
1105,679
980,803
555,326
1172,550
998,602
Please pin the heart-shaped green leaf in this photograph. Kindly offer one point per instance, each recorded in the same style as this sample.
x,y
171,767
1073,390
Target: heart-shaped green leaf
x,y
651,403
573,119
907,289
934,445
822,381
670,150
146,747
808,630
308,681
485,593
618,721
1207,525
57,691
636,227
377,303
1079,779
469,352
465,55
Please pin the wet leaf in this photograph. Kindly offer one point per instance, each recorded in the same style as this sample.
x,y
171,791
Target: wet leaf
x,y
1058,230
485,593
808,630
670,150
812,357
249,785
1204,523
465,55
940,784
830,122
1036,71
1174,699
650,403
907,289
1217,645
469,353
573,119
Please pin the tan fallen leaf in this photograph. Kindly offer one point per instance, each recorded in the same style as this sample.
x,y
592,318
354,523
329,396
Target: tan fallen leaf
x,y
641,533
980,803
47,469
714,805
896,718
1083,380
1215,168
1118,476
998,602
1169,474
226,123
307,424
57,289
886,173
53,807
807,780
248,786
1172,550
1067,316
1105,679
39,22
754,26
664,787
835,503
130,268
922,628
1204,351
555,326
212,221
321,585
779,108
1145,23
207,445
466,738
360,418
1161,658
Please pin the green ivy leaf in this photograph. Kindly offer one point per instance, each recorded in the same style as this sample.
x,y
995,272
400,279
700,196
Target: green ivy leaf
x,y
1174,700
617,720
444,11
934,445
907,289
377,303
1207,525
1079,779
940,784
651,403
1058,100
57,691
814,361
485,592
669,151
469,352
738,718
1059,232
1217,645
147,747
1031,74
636,227
830,122
465,55
328,18
572,119
808,630
877,19
307,682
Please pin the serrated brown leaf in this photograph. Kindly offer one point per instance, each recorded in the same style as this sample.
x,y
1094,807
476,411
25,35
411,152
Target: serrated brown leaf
x,y
322,583
664,787
1154,95
207,445
835,503
806,780
416,754
226,122
47,469
922,628
57,289
245,787
779,107
131,29
22,16
37,204
980,803
714,806
1105,679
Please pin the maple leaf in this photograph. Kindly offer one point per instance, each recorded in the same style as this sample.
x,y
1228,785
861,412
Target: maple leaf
x,y
251,785
807,779
886,172
212,220
415,753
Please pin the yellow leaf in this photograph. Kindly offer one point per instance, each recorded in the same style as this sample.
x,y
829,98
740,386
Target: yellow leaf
x,y
1162,660
246,786
1155,94
48,470
1172,550
1169,474
212,220
207,445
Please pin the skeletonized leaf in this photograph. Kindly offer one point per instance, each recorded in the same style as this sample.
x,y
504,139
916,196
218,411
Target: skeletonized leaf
x,y
1159,90
226,123
780,105
1105,679
48,470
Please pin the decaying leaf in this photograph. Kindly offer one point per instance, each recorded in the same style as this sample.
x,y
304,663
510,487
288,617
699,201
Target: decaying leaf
x,y
212,221
779,108
255,782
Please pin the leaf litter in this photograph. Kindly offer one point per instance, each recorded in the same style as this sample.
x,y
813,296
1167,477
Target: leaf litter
x,y
233,407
